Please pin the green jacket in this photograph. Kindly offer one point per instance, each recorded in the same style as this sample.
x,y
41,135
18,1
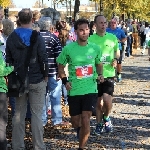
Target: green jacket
x,y
4,71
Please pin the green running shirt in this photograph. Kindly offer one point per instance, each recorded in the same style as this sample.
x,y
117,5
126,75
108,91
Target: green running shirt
x,y
81,66
108,45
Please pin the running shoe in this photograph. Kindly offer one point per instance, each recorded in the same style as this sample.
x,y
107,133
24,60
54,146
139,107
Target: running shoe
x,y
119,79
99,129
108,125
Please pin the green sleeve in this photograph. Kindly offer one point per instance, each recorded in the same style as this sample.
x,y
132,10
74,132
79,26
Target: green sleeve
x,y
62,58
99,55
4,71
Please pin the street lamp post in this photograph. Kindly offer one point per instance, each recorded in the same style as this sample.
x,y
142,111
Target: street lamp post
x,y
123,15
76,9
6,10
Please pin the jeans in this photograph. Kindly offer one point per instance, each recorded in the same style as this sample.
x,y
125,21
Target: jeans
x,y
128,46
54,89
12,104
36,97
3,120
123,50
64,94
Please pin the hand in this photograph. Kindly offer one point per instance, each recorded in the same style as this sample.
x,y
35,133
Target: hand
x,y
57,77
114,63
46,79
68,86
100,78
6,80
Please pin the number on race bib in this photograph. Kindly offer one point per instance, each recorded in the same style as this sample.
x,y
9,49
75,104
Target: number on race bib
x,y
105,59
84,71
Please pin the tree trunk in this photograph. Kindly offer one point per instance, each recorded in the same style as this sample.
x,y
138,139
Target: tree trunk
x,y
76,8
67,7
128,15
133,16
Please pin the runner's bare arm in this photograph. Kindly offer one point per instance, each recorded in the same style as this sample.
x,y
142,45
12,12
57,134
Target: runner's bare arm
x,y
99,68
63,77
61,71
117,54
116,57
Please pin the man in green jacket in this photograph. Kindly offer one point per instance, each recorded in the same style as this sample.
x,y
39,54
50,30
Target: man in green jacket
x,y
4,71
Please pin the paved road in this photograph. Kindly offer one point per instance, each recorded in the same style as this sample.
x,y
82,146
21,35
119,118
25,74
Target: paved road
x,y
131,109
130,114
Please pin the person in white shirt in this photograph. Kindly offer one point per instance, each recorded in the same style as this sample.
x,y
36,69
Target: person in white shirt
x,y
147,34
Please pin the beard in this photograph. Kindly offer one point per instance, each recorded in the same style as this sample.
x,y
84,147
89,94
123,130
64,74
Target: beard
x,y
82,40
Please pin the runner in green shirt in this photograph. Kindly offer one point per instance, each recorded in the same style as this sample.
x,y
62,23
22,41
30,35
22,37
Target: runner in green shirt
x,y
82,71
4,71
108,44
84,67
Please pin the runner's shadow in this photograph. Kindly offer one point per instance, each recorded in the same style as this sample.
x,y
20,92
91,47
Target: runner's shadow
x,y
132,101
136,73
127,133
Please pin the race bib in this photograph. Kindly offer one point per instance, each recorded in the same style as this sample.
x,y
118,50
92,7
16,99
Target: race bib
x,y
84,71
105,59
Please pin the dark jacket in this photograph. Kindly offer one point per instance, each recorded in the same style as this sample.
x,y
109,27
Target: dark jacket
x,y
16,54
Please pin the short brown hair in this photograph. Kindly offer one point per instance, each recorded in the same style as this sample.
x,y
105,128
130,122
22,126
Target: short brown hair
x,y
25,16
18,23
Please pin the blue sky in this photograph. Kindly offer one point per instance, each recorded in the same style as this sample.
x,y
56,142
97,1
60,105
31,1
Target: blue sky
x,y
29,3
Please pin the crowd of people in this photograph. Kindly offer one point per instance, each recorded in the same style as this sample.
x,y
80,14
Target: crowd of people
x,y
43,63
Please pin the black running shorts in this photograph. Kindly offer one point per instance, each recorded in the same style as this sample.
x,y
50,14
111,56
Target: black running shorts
x,y
106,87
80,103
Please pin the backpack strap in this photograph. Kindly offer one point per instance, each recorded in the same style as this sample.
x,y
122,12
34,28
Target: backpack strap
x,y
33,40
